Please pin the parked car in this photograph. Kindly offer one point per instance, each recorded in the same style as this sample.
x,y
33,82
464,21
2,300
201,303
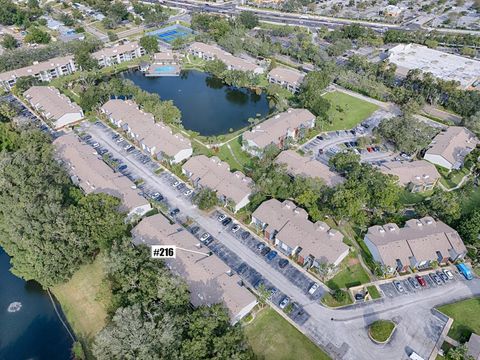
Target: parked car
x,y
283,304
442,276
122,167
120,139
95,145
282,263
188,192
271,255
421,280
272,292
414,283
359,296
235,228
449,274
126,147
398,286
465,271
227,221
436,279
265,251
204,237
221,217
260,246
174,212
245,235
313,288
194,230
208,241
176,184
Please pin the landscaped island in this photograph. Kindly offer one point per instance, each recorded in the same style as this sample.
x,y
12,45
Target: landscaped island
x,y
381,330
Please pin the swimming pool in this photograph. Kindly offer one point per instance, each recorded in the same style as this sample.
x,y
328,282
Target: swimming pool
x,y
164,69
171,33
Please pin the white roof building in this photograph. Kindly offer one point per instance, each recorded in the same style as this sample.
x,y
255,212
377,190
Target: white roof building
x,y
440,64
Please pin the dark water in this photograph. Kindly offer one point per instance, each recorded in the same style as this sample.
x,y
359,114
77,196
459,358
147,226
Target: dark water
x,y
34,332
208,106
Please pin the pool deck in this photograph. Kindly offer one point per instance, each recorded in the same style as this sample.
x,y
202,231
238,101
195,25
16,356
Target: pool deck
x,y
152,73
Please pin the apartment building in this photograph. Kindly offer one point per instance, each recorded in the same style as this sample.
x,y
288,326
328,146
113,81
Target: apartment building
x,y
53,107
44,71
211,52
278,130
88,171
290,79
155,138
298,165
118,54
416,176
232,189
210,281
449,148
417,245
286,226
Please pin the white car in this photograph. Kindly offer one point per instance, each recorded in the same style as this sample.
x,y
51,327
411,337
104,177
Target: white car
x,y
235,228
283,304
204,237
176,183
95,145
313,288
126,147
188,192
119,140
221,217
448,273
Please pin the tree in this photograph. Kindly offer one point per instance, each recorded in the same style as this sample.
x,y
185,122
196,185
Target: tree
x,y
149,43
9,42
84,60
311,92
112,36
473,123
406,133
215,67
444,205
37,36
459,353
205,198
248,19
469,228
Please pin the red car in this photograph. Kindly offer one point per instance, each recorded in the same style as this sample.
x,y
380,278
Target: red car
x,y
369,149
421,280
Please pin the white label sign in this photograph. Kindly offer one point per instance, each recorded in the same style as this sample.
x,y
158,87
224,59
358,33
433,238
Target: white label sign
x,y
164,251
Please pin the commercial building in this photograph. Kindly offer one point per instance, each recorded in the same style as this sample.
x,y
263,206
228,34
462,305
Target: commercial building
x,y
155,138
288,78
210,281
287,227
298,165
118,54
449,148
233,189
88,171
418,245
442,65
212,52
279,130
44,71
417,176
53,106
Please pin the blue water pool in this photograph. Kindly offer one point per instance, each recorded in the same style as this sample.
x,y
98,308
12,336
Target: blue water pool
x,y
164,69
171,33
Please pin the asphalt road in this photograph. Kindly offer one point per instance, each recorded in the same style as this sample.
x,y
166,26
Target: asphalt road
x,y
341,332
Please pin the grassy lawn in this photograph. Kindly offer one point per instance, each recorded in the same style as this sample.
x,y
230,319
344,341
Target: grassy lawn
x,y
452,178
239,159
346,111
373,291
85,299
465,318
469,199
274,338
330,301
409,198
352,274
381,330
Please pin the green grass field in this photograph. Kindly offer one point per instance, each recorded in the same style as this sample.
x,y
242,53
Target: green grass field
x,y
352,274
85,300
465,318
381,330
274,338
239,159
373,291
346,111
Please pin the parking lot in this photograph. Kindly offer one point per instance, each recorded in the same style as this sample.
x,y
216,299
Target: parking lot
x,y
327,144
410,285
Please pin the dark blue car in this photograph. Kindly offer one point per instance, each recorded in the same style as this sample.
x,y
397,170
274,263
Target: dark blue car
x,y
271,255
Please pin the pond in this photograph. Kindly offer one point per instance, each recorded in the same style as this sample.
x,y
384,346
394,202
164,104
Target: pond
x,y
208,105
29,326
